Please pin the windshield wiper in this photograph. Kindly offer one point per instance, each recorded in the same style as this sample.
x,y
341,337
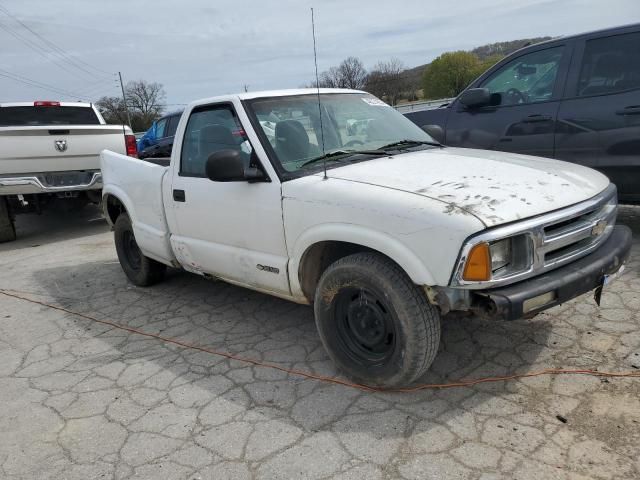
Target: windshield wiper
x,y
410,143
341,153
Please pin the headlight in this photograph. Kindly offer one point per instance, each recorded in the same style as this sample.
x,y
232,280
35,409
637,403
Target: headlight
x,y
498,259
500,252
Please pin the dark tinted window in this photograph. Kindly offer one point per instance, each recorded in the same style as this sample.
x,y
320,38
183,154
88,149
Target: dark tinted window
x,y
610,64
209,130
172,126
33,116
529,78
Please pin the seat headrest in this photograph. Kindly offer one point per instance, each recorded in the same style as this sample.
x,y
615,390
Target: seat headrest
x,y
292,141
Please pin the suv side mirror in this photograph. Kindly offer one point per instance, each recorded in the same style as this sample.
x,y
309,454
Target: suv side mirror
x,y
475,97
434,131
229,166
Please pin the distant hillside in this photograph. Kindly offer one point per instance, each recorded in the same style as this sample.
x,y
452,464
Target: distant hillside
x,y
414,75
505,48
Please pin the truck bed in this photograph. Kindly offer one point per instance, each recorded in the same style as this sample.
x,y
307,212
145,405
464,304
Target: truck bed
x,y
138,184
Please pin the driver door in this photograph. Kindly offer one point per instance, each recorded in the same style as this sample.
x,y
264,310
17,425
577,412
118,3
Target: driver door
x,y
525,93
231,230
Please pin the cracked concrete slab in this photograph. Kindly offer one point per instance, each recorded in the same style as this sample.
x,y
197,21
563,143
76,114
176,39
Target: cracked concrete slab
x,y
82,400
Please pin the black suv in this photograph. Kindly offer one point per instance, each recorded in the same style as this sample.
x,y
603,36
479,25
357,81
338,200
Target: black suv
x,y
574,98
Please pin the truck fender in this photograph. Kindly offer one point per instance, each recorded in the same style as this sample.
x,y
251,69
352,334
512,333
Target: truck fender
x,y
120,195
374,239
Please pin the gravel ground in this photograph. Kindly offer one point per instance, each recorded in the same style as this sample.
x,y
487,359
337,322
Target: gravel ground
x,y
81,400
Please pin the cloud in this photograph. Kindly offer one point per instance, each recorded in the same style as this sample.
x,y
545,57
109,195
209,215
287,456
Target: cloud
x,y
200,48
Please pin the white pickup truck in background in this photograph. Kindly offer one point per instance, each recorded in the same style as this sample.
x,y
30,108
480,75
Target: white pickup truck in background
x,y
379,227
50,153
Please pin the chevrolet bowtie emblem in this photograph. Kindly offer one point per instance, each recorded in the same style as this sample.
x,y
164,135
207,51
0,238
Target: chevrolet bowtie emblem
x,y
599,228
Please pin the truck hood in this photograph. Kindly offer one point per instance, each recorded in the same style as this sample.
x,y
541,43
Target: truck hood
x,y
495,187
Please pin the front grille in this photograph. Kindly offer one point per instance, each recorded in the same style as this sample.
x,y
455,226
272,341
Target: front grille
x,y
568,239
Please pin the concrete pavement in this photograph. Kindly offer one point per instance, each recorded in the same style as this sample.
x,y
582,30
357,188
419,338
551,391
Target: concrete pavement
x,y
81,400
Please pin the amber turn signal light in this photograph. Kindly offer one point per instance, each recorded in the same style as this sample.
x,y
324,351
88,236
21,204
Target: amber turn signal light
x,y
478,266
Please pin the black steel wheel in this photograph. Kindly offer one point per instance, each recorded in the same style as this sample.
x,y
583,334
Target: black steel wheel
x,y
377,326
142,271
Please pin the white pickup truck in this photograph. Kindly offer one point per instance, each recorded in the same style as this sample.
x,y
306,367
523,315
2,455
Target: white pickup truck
x,y
382,231
50,153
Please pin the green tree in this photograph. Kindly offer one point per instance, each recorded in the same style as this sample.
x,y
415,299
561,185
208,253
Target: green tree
x,y
449,74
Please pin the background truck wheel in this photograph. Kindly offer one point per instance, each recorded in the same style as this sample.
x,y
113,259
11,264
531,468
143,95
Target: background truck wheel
x,y
376,325
141,270
7,227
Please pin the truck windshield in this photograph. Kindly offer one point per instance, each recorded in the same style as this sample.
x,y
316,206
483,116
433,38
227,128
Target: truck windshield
x,y
36,116
351,123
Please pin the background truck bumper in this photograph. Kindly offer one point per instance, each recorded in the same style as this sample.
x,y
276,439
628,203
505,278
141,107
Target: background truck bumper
x,y
50,182
545,291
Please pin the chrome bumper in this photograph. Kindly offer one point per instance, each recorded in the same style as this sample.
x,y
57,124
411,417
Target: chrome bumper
x,y
37,183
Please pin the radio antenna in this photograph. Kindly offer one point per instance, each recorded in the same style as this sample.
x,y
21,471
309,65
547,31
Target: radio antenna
x,y
315,60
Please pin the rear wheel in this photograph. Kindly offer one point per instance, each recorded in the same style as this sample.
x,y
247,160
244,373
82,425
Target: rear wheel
x,y
7,226
141,270
376,325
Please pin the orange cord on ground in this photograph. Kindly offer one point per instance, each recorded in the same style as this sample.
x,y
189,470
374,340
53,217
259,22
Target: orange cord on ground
x,y
322,378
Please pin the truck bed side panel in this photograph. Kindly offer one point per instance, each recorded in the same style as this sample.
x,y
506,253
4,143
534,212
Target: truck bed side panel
x,y
138,185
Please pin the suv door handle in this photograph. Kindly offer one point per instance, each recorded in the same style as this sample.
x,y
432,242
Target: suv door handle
x,y
178,196
630,110
536,118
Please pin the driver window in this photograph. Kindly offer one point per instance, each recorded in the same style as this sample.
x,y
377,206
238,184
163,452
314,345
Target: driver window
x,y
210,129
526,79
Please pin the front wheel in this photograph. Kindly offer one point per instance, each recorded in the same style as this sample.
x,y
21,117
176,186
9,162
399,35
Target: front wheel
x,y
377,326
141,270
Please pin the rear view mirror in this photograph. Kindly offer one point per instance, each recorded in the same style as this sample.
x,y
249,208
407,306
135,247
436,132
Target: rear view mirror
x,y
524,70
229,166
475,97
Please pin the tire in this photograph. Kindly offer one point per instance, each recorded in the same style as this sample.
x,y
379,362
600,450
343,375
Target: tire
x,y
376,325
141,271
7,227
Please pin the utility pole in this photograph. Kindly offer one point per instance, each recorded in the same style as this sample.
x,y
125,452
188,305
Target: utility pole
x,y
124,99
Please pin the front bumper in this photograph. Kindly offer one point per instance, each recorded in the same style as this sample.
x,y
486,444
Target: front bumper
x,y
50,182
557,286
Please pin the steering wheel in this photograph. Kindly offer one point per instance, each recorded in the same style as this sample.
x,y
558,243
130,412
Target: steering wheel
x,y
353,143
514,96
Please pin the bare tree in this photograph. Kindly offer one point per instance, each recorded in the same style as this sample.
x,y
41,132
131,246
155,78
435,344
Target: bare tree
x,y
349,74
112,109
145,100
352,73
387,80
331,78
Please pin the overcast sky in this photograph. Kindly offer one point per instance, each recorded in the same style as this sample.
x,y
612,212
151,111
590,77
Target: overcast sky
x,y
202,48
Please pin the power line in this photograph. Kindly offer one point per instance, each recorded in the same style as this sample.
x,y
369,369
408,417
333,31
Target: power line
x,y
36,48
37,84
54,49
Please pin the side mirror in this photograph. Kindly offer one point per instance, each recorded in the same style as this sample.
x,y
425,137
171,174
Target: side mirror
x,y
229,166
475,97
434,131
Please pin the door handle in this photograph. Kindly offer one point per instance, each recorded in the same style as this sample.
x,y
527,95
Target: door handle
x,y
536,118
178,196
631,110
